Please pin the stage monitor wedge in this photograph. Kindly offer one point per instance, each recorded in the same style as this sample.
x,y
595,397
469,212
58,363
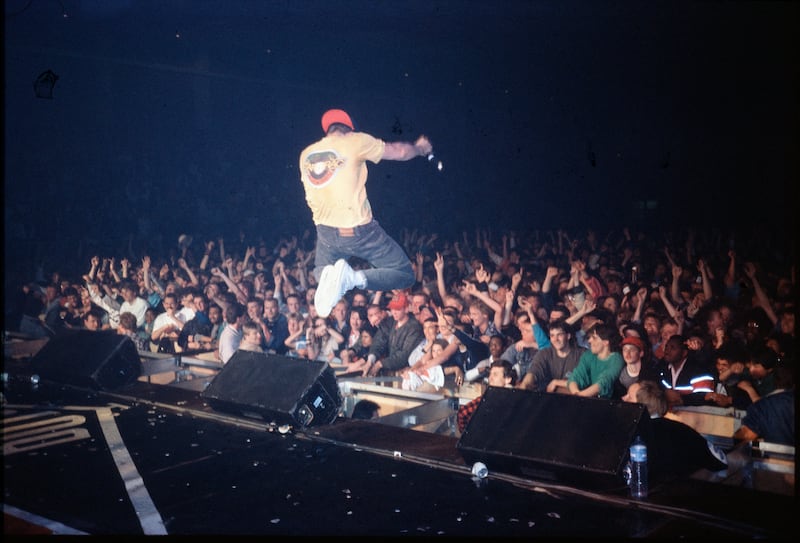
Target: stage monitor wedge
x,y
101,360
276,388
553,437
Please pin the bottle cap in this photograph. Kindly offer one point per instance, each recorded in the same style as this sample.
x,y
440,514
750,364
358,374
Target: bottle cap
x,y
480,470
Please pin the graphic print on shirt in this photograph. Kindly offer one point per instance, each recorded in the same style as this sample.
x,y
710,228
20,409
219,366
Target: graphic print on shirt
x,y
321,167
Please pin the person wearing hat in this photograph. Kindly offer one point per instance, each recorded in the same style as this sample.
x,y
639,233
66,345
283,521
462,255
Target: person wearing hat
x,y
333,171
396,338
638,367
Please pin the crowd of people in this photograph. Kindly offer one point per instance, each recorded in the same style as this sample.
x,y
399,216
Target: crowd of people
x,y
707,315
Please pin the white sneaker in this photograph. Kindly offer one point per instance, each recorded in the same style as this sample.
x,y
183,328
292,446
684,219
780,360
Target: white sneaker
x,y
334,282
321,297
346,276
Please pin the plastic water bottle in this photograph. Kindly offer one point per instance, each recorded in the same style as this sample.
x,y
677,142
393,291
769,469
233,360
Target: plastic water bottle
x,y
638,468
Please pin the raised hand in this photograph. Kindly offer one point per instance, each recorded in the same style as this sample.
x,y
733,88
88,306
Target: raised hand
x,y
516,279
438,264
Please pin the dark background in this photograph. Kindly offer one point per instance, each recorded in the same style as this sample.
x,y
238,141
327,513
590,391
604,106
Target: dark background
x,y
188,116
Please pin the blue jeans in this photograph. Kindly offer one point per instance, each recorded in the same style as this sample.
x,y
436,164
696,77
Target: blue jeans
x,y
391,265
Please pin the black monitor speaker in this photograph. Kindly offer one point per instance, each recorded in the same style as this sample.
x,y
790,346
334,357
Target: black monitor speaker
x,y
99,360
553,437
276,388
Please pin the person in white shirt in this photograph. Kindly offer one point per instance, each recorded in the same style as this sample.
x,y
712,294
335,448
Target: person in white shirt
x,y
133,302
231,336
168,325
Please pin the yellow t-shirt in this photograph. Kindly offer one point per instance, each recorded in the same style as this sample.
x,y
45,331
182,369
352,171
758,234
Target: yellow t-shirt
x,y
334,175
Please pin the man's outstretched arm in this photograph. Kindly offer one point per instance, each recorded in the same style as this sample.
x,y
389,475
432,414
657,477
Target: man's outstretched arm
x,y
405,151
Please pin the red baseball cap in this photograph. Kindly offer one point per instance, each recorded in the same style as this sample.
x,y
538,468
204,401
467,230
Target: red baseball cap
x,y
335,116
400,301
635,341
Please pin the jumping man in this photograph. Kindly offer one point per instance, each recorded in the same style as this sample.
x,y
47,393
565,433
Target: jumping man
x,y
334,175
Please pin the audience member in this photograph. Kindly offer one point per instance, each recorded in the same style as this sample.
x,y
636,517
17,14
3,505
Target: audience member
x,y
365,410
187,305
293,304
553,365
296,342
215,316
771,417
497,346
357,318
375,314
127,327
196,333
355,358
93,320
424,378
430,331
501,374
532,338
599,367
251,337
637,368
168,325
759,376
231,335
150,315
132,301
30,306
338,320
674,449
63,315
685,379
323,342
483,327
730,367
396,338
277,326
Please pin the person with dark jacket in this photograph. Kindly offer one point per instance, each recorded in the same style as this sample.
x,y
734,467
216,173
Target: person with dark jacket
x,y
674,449
397,336
684,378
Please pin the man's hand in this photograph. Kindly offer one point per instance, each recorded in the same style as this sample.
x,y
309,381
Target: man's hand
x,y
423,146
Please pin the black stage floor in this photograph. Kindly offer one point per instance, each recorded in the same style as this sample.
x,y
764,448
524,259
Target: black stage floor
x,y
157,460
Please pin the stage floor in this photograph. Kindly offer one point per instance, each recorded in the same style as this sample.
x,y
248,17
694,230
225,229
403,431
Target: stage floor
x,y
157,460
